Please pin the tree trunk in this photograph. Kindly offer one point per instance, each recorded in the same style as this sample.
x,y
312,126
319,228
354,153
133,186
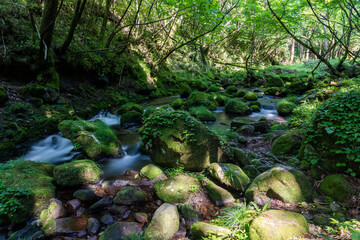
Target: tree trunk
x,y
105,19
292,53
80,5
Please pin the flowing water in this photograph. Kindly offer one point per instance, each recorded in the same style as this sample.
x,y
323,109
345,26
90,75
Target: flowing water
x,y
55,148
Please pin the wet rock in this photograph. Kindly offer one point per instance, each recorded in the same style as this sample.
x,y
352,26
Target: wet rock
x,y
131,118
85,195
201,230
164,223
246,130
333,185
175,189
28,233
77,172
90,136
119,230
80,212
48,216
153,172
251,171
190,215
230,175
241,157
219,195
93,226
118,210
74,204
69,225
185,142
130,196
107,219
282,183
141,217
101,204
278,224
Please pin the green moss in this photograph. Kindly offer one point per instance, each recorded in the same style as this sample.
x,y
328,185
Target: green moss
x,y
76,173
184,90
251,96
199,85
129,107
218,195
26,189
131,117
255,108
237,107
231,89
202,230
202,113
230,175
274,81
288,143
178,104
202,99
332,185
275,91
285,108
151,171
95,138
220,98
240,93
130,196
175,189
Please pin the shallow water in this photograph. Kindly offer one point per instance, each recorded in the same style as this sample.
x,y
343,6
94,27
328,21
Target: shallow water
x,y
55,148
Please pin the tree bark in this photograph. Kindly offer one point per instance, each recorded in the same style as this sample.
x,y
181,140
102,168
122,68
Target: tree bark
x,y
292,52
105,19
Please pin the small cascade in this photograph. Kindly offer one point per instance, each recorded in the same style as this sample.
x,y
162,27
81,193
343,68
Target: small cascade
x,y
108,118
132,160
53,149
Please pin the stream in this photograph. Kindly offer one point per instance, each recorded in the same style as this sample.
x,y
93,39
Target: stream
x,y
56,149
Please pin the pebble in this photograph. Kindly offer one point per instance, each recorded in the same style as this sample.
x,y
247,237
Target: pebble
x,y
74,204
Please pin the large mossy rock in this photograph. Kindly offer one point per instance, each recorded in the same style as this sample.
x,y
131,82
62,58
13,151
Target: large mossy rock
x,y
48,216
251,96
288,143
281,182
278,225
218,195
3,96
334,184
174,138
77,173
202,114
260,126
26,189
130,196
202,230
285,108
95,138
197,99
164,223
176,189
230,175
131,118
119,230
237,107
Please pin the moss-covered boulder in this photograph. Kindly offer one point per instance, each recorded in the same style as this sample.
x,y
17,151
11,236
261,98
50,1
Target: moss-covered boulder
x,y
281,182
184,90
202,99
260,126
289,143
202,230
164,223
176,189
178,104
231,89
236,106
130,196
129,107
94,138
274,81
275,91
119,230
190,215
174,138
153,172
230,175
251,96
131,118
48,216
26,189
202,113
218,195
334,184
285,108
219,97
76,173
278,225
3,96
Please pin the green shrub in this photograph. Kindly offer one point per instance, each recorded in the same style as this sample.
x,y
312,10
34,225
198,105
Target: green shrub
x,y
335,131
